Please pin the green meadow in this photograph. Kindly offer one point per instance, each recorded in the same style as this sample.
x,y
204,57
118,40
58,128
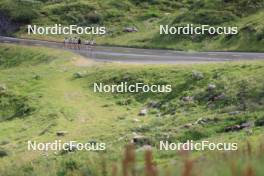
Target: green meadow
x,y
44,91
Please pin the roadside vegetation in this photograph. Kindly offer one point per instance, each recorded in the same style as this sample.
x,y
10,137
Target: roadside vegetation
x,y
43,92
146,16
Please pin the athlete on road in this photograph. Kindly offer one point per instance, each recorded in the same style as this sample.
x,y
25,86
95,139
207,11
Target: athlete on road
x,y
79,43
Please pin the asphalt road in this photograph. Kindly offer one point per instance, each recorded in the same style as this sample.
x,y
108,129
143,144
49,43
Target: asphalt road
x,y
143,56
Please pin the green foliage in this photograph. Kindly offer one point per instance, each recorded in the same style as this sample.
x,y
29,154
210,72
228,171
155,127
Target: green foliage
x,y
245,6
12,106
19,11
61,102
80,13
13,56
193,135
230,90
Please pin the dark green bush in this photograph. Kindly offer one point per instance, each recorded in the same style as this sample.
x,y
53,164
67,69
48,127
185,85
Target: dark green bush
x,y
19,11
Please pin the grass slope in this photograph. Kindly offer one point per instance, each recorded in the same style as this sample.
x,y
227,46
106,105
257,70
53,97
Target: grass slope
x,y
45,96
147,15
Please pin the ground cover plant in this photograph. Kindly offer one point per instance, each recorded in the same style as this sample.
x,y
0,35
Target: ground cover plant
x,y
45,91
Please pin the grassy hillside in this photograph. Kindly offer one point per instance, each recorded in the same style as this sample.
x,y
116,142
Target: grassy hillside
x,y
43,91
146,15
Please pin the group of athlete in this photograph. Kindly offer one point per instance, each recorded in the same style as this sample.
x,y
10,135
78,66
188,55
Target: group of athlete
x,y
77,43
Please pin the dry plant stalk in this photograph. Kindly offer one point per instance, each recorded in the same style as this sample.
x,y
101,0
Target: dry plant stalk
x,y
150,166
128,162
249,149
114,170
234,170
261,149
249,171
188,167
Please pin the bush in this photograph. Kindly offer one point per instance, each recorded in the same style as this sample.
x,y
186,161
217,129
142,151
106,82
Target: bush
x,y
93,18
19,11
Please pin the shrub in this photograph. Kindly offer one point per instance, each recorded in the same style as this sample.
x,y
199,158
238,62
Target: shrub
x,y
19,11
93,18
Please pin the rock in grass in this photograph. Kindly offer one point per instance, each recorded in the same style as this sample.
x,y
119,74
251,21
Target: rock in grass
x,y
69,149
126,77
140,140
130,29
143,112
248,124
79,75
234,113
154,104
187,99
203,121
36,77
197,75
3,153
233,128
211,87
222,96
187,126
61,133
136,120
